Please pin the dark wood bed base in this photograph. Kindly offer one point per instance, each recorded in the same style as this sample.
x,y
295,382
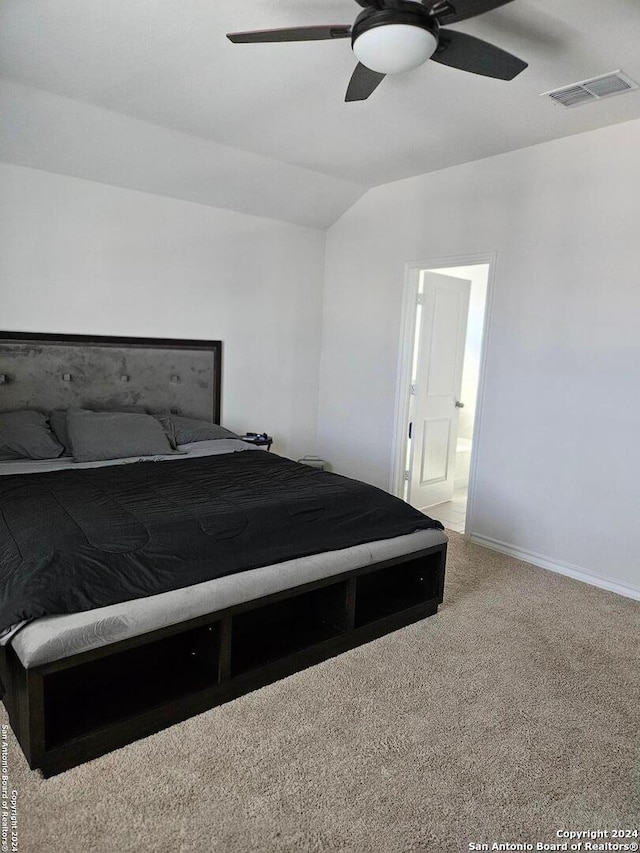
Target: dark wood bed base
x,y
75,709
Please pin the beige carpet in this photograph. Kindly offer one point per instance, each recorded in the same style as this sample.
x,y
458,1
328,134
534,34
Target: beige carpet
x,y
510,715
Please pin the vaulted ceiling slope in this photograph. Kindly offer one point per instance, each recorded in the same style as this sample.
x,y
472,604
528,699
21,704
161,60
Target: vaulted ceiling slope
x,y
150,94
57,134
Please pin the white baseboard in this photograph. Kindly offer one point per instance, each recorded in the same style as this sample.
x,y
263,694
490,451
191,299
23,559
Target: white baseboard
x,y
555,566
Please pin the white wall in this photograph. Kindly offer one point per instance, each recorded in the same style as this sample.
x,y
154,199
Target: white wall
x,y
558,458
83,257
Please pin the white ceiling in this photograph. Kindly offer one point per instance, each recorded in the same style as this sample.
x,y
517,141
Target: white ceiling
x,y
168,63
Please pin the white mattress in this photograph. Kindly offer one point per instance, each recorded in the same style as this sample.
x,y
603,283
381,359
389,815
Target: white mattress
x,y
55,637
66,463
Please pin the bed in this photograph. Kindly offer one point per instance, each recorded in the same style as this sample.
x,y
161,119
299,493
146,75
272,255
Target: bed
x,y
139,590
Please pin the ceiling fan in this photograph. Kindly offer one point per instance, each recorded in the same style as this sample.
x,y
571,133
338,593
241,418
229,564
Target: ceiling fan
x,y
391,36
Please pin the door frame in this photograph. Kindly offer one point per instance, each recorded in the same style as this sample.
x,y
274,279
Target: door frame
x,y
413,270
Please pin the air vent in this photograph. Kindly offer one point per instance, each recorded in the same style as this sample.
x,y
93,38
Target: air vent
x,y
595,89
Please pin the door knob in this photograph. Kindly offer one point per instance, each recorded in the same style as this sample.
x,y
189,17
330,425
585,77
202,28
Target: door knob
x,y
459,405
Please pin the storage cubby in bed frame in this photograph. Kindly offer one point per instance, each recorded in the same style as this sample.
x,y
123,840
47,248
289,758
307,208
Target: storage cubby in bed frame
x,y
80,707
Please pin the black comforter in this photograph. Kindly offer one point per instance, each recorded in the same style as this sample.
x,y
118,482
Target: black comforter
x,y
75,540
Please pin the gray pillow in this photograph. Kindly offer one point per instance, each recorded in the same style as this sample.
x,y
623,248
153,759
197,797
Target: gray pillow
x,y
114,435
26,435
186,430
58,420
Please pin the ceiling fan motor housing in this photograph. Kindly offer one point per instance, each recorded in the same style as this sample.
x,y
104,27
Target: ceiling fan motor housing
x,y
396,38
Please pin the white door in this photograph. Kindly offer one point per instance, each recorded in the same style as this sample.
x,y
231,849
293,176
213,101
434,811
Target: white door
x,y
436,402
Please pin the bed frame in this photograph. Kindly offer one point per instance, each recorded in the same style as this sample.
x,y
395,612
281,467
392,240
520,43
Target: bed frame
x,y
79,707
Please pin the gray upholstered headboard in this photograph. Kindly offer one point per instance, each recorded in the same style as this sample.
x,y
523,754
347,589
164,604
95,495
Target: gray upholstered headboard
x,y
47,372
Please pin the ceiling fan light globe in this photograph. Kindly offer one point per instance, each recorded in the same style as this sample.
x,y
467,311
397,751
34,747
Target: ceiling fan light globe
x,y
393,48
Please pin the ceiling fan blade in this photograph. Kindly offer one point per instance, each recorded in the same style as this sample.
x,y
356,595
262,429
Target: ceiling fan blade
x,y
460,10
469,53
330,31
363,82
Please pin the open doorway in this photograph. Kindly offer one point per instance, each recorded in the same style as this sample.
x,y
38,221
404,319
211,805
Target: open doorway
x,y
441,359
